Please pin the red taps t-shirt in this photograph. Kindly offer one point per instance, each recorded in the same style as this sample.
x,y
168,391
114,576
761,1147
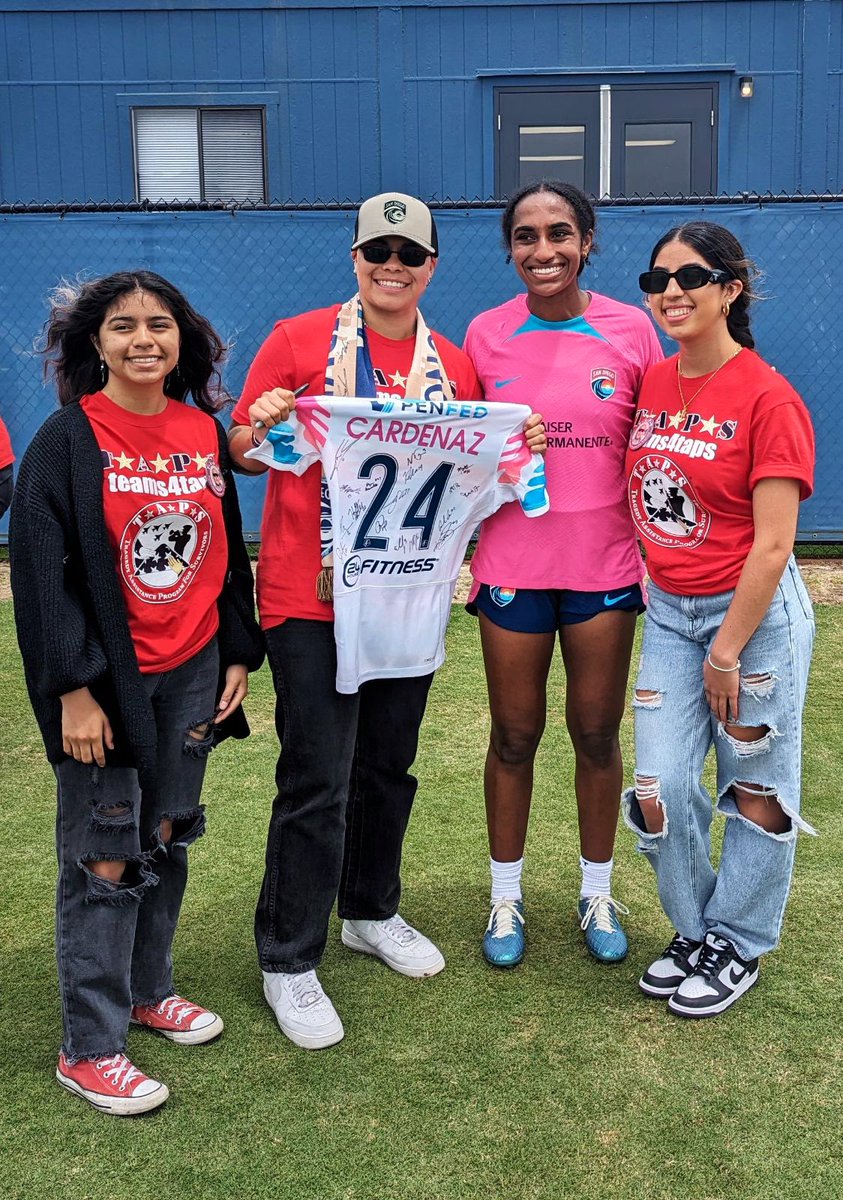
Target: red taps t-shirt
x,y
296,353
162,491
691,479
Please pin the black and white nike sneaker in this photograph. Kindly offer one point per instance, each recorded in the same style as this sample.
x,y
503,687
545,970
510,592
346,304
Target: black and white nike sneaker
x,y
720,977
677,961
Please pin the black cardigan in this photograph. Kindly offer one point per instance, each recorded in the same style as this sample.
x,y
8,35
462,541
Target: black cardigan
x,y
71,619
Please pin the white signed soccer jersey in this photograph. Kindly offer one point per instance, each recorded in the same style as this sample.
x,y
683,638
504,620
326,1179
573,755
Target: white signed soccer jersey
x,y
409,480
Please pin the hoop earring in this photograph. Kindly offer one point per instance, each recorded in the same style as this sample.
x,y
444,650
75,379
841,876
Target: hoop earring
x,y
103,371
726,306
585,260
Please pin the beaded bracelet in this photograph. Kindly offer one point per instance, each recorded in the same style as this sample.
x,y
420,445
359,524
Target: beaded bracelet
x,y
725,670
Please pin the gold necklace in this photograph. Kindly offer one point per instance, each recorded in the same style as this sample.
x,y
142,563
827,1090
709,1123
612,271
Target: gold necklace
x,y
686,404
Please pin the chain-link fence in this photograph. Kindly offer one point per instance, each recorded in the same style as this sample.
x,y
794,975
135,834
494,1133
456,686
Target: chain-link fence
x,y
247,266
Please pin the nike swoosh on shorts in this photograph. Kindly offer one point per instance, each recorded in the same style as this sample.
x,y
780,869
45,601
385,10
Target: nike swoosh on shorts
x,y
610,600
499,383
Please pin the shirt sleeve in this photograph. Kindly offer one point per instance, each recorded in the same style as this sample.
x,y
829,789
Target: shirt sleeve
x,y
296,444
652,349
6,455
274,366
459,368
783,446
523,472
60,644
470,349
239,636
468,385
648,349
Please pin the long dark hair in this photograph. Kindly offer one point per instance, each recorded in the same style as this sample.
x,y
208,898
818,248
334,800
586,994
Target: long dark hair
x,y
584,213
722,251
77,310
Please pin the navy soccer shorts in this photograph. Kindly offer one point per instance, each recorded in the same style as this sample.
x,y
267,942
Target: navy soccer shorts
x,y
545,610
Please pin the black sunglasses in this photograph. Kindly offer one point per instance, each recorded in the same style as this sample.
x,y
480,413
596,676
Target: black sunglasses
x,y
688,278
409,255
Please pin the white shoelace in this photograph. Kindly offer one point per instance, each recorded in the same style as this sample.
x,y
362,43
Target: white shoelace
x,y
116,1066
600,909
399,931
503,916
306,990
176,1009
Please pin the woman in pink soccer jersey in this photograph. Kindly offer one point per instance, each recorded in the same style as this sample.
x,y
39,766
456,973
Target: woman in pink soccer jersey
x,y
133,603
720,456
578,358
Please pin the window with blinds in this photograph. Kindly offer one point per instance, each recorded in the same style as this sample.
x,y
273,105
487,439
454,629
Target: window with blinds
x,y
199,153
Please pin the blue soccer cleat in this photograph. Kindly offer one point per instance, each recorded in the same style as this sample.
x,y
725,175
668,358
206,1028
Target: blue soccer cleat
x,y
503,941
605,939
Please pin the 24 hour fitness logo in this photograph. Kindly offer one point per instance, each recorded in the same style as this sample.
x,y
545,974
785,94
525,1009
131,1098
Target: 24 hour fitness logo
x,y
356,568
162,548
664,506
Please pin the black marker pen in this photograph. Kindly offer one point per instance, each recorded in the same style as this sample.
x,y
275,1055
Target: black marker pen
x,y
300,391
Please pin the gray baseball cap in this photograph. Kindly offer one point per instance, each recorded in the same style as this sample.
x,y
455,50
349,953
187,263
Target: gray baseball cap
x,y
393,214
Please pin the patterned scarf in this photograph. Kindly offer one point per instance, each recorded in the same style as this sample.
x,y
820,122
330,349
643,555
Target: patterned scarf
x,y
349,373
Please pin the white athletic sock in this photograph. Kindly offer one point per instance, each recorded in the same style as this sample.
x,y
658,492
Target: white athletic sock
x,y
506,880
596,878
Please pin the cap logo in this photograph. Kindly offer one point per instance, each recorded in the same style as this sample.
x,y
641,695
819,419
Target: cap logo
x,y
394,211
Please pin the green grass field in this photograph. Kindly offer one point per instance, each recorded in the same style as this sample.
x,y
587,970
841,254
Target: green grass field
x,y
556,1080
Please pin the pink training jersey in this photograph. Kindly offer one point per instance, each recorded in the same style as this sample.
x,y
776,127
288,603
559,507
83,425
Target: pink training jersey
x,y
583,376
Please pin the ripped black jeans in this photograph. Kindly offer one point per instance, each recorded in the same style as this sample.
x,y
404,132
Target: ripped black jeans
x,y
113,940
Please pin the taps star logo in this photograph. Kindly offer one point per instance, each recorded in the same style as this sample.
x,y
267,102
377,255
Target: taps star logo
x,y
162,548
664,506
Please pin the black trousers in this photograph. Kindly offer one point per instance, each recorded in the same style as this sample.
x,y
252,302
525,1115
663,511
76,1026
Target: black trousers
x,y
344,795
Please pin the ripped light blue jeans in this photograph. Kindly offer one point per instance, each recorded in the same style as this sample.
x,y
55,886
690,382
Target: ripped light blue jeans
x,y
744,900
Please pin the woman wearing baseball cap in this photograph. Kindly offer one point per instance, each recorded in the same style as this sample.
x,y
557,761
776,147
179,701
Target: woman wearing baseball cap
x,y
344,788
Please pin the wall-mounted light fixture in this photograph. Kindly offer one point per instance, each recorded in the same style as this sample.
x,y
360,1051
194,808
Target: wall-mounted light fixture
x,y
747,86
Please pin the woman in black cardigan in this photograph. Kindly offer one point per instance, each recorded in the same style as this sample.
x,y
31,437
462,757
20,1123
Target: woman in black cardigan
x,y
133,602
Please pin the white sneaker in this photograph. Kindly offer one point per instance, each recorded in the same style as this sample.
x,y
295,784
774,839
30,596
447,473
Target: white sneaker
x,y
302,1009
395,942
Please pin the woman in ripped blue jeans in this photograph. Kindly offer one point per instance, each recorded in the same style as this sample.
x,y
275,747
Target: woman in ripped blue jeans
x,y
133,604
719,458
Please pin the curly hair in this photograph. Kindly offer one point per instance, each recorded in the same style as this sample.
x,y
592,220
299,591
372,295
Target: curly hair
x,y
722,251
77,311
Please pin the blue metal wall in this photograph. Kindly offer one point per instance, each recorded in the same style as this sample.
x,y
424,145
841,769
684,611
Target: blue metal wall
x,y
245,270
366,96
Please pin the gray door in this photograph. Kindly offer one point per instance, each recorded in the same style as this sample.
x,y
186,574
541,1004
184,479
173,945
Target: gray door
x,y
663,141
